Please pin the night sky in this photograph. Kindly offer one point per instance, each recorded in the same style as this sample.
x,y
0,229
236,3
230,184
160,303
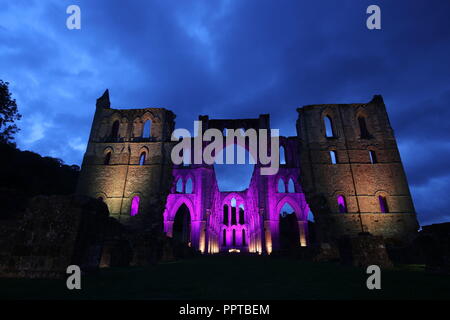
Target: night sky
x,y
234,59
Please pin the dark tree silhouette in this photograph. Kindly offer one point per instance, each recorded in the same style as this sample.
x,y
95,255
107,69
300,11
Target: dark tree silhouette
x,y
25,174
8,114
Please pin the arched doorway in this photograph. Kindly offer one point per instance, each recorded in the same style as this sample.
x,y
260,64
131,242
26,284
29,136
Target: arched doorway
x,y
182,225
289,233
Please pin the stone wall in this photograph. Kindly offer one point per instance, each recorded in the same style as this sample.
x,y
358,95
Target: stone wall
x,y
394,227
56,232
356,177
123,177
364,250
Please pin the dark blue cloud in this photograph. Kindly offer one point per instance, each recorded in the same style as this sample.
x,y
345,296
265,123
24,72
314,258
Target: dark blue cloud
x,y
233,59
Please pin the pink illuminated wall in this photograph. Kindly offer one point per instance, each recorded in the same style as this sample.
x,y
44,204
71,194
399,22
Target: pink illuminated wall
x,y
258,231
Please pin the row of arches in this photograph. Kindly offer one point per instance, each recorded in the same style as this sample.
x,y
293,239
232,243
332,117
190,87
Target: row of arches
x,y
145,132
108,155
238,217
334,157
286,188
342,204
182,186
242,242
330,131
233,215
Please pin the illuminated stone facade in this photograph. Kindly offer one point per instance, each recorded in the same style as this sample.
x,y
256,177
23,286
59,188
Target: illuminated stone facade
x,y
343,166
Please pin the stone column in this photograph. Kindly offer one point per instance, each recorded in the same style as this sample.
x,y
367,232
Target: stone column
x,y
268,237
303,233
168,228
202,236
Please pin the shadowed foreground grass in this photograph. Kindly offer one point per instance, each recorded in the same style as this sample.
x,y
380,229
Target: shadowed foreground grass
x,y
236,277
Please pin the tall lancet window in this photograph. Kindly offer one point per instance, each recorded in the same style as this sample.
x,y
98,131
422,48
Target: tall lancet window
x,y
383,204
135,206
282,155
142,159
342,205
147,129
329,130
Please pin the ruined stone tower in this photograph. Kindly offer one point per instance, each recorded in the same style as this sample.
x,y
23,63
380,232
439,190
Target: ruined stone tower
x,y
343,166
352,173
127,167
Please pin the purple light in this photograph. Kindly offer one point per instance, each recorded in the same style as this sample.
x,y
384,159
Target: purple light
x,y
341,204
383,204
216,216
134,206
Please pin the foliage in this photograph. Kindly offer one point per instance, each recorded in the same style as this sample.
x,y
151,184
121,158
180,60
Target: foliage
x,y
8,114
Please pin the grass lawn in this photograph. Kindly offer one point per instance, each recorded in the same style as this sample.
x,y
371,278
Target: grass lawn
x,y
236,277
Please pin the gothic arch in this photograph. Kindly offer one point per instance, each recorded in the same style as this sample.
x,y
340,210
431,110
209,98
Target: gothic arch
x,y
330,114
144,149
180,201
289,200
230,196
361,113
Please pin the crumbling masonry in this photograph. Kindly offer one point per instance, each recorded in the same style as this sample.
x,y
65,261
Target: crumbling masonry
x,y
343,166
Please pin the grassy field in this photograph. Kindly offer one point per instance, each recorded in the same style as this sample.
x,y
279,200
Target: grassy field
x,y
236,277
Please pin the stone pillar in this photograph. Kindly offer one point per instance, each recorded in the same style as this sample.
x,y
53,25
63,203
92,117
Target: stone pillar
x,y
196,227
275,234
268,237
168,228
202,236
303,233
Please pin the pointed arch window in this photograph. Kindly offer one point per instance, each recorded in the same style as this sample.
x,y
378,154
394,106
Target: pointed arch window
x,y
189,186
107,159
383,204
142,158
233,216
373,157
342,205
243,238
147,129
241,215
363,127
282,155
224,237
234,237
281,186
329,130
135,206
333,157
225,215
179,186
291,186
115,129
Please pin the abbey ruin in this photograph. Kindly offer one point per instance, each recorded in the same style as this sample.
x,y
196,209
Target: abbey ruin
x,y
343,166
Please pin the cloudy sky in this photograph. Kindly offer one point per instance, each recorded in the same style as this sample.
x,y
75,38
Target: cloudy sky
x,y
234,59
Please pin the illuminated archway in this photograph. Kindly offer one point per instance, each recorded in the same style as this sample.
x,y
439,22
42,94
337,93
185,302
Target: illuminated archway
x,y
288,224
181,230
